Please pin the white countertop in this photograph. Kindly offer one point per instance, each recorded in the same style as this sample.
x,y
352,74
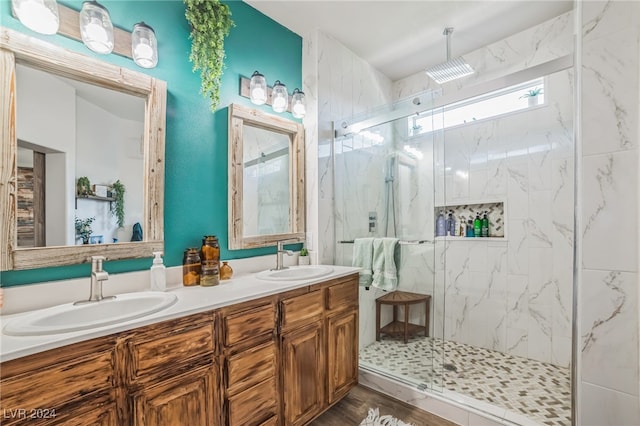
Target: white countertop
x,y
191,300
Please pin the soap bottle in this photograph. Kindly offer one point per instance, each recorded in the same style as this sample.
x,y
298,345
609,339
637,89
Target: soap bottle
x,y
462,229
440,225
452,224
477,226
485,225
470,228
158,273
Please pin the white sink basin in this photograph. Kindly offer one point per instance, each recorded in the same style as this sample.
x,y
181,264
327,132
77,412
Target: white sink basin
x,y
69,317
294,273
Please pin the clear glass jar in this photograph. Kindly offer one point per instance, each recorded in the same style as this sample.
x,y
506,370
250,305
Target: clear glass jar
x,y
191,266
210,259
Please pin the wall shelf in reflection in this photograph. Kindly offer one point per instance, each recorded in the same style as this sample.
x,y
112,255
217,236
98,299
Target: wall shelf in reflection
x,y
95,198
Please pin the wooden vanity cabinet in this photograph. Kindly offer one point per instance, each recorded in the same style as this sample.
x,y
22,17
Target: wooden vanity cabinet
x,y
302,357
250,363
342,338
278,360
172,373
74,385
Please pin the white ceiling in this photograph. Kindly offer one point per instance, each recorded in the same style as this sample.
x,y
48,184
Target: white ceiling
x,y
401,38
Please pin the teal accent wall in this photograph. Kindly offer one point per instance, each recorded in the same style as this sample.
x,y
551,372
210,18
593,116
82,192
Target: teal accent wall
x,y
196,138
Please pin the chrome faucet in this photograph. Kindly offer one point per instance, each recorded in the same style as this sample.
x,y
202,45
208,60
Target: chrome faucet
x,y
98,275
281,251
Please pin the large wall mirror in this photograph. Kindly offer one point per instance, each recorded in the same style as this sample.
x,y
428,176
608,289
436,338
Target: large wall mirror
x,y
266,178
67,116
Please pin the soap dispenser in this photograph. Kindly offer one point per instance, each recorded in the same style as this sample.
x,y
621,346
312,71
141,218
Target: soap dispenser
x,y
158,273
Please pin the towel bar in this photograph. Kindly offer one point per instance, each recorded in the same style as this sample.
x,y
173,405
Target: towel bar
x,y
403,242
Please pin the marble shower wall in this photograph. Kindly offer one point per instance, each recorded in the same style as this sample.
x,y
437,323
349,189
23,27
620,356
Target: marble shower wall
x,y
513,294
608,288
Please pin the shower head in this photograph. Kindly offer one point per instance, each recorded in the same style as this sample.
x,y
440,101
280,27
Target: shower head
x,y
453,68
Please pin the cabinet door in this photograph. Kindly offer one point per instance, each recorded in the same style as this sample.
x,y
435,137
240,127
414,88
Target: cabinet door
x,y
188,399
342,354
303,374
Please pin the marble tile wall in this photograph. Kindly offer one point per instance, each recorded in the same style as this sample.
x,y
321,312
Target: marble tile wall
x,y
608,288
513,295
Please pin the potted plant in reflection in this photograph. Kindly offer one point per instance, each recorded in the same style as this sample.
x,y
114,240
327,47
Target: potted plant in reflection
x,y
303,259
532,96
117,207
83,228
83,186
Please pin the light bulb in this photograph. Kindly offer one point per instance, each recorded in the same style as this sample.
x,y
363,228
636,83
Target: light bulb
x,y
258,94
279,104
40,16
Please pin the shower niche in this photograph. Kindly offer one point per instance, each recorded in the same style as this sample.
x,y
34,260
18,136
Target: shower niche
x,y
495,213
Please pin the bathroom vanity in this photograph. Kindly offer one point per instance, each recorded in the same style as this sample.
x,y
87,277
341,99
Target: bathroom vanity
x,y
280,358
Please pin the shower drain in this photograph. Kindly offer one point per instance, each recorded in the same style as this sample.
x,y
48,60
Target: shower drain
x,y
450,367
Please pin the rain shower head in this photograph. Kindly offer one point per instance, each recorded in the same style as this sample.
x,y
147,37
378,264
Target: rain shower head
x,y
453,68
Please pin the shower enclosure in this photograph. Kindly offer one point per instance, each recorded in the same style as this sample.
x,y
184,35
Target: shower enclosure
x,y
500,326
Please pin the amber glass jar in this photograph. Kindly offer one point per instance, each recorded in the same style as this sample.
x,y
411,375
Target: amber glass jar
x,y
226,271
210,258
191,267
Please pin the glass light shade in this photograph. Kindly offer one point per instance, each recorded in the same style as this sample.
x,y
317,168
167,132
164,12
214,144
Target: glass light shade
x,y
144,46
96,27
40,16
258,89
298,106
279,97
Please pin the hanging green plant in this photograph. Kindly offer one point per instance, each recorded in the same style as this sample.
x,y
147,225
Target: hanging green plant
x,y
117,207
210,23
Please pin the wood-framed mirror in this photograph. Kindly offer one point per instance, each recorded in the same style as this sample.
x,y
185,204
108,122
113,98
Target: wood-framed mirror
x,y
266,179
19,51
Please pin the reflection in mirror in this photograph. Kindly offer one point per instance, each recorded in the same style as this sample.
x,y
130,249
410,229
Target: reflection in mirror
x,y
56,130
266,178
67,129
266,174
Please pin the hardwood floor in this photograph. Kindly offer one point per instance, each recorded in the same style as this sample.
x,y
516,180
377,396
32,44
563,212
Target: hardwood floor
x,y
353,408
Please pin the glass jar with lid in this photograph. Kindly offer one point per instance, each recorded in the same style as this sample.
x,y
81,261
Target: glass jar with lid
x,y
191,267
210,259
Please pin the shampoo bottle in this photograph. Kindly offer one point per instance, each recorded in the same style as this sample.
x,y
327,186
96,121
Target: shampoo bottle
x,y
158,273
452,224
477,226
440,225
485,225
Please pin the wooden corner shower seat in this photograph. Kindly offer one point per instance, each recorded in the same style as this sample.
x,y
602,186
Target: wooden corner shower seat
x,y
405,329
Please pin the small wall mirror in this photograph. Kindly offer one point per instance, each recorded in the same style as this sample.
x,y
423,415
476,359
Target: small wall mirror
x,y
266,178
69,117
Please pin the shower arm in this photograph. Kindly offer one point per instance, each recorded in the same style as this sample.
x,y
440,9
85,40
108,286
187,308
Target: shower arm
x,y
447,32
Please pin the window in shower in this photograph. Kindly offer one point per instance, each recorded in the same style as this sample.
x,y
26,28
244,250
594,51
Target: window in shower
x,y
489,105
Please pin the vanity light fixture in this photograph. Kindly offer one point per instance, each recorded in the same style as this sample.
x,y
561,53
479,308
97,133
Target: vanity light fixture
x,y
298,106
144,46
40,16
258,89
279,97
96,27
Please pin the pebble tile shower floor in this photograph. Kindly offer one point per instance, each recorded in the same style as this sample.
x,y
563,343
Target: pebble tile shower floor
x,y
540,391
